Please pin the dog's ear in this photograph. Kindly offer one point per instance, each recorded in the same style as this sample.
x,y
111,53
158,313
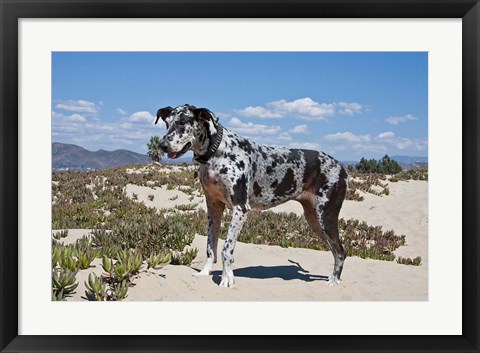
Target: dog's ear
x,y
203,115
163,113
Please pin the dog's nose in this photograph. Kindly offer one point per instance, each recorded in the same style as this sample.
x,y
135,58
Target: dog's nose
x,y
163,146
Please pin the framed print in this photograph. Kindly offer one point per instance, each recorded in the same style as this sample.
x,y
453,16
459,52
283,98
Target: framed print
x,y
315,102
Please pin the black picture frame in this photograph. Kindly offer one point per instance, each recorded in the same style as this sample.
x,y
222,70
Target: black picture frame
x,y
12,10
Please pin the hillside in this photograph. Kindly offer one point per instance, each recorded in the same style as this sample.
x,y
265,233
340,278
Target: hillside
x,y
75,157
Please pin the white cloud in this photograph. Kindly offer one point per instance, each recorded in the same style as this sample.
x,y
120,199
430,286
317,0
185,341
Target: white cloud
x,y
395,120
265,134
141,117
302,108
299,129
65,119
78,106
250,129
385,135
92,133
349,108
305,145
258,112
121,111
385,142
347,136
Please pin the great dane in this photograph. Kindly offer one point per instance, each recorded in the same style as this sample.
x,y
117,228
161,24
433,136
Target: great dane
x,y
243,175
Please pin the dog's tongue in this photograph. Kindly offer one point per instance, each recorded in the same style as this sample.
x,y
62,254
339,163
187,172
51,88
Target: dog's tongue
x,y
172,155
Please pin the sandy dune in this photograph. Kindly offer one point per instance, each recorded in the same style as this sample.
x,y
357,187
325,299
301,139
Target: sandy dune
x,y
272,273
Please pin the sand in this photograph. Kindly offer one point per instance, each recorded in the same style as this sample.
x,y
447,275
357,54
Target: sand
x,y
272,273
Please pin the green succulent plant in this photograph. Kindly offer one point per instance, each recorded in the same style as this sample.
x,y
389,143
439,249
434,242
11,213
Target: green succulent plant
x,y
96,290
85,259
63,283
67,262
158,260
120,290
185,258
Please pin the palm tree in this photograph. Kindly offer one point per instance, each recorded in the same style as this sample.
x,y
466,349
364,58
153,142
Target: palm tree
x,y
154,151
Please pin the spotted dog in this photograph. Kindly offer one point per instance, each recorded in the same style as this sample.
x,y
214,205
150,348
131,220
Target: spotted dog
x,y
244,175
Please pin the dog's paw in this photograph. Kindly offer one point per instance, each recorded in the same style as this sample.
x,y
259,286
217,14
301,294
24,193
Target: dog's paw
x,y
333,281
204,272
227,281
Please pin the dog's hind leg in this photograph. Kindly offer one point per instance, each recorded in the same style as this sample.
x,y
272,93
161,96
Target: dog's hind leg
x,y
329,220
323,219
239,216
327,213
215,212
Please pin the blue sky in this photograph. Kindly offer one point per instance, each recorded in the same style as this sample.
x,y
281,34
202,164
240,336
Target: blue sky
x,y
346,104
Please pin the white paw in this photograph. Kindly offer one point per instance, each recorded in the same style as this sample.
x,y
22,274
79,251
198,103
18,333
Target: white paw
x,y
207,269
333,281
204,272
227,281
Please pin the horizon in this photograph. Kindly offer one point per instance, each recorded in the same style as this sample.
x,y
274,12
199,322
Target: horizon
x,y
188,154
349,105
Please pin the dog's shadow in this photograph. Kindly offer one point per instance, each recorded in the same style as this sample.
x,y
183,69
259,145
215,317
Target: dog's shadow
x,y
285,272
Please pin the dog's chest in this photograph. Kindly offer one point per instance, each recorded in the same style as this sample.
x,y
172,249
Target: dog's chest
x,y
214,185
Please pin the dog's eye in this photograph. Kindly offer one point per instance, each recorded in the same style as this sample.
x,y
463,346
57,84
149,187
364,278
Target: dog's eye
x,y
181,123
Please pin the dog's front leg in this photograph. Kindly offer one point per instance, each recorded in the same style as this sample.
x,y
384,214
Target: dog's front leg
x,y
239,216
215,212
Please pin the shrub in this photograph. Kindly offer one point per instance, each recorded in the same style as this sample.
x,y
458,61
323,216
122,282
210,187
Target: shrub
x,y
386,165
408,261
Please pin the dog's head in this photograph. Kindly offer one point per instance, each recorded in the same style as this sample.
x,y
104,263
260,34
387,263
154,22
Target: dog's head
x,y
188,128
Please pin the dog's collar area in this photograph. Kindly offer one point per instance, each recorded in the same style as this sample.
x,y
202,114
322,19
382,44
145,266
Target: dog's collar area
x,y
212,148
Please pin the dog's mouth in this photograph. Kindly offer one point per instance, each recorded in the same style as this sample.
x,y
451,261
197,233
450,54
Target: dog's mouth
x,y
173,155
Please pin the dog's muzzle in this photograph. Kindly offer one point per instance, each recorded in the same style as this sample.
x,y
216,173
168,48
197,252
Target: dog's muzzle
x,y
163,146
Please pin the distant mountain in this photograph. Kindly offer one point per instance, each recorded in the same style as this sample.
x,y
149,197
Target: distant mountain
x,y
407,162
408,159
75,157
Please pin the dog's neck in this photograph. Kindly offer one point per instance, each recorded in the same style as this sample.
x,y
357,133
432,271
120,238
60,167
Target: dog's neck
x,y
209,141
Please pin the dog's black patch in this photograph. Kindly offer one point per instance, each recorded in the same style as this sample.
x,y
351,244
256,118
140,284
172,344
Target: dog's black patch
x,y
257,189
288,184
239,196
246,146
312,165
241,165
223,170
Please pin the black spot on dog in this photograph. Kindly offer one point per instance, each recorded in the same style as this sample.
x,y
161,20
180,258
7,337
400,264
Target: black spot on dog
x,y
239,196
254,168
274,184
232,157
294,156
312,166
223,170
257,189
274,164
287,185
241,165
336,197
269,170
262,152
246,146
